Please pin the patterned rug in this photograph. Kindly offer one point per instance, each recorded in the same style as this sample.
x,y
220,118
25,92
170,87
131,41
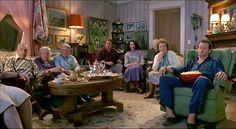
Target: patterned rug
x,y
138,113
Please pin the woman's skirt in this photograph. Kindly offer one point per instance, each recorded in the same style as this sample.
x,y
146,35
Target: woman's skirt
x,y
153,77
134,73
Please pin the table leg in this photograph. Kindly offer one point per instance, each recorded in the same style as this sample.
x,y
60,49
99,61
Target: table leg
x,y
69,105
86,109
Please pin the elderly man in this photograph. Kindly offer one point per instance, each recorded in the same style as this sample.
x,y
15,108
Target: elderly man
x,y
208,66
20,64
67,62
111,57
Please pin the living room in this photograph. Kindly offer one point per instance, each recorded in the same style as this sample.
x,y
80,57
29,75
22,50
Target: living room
x,y
182,23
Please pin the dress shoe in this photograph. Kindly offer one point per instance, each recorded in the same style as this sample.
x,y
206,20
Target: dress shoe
x,y
171,121
191,126
39,110
80,101
56,115
87,98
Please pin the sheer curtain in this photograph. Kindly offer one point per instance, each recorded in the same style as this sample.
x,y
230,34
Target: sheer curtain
x,y
22,12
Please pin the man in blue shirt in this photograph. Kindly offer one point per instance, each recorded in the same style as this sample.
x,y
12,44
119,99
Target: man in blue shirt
x,y
208,66
66,61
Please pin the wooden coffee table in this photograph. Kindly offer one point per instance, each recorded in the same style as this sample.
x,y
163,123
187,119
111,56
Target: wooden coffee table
x,y
70,90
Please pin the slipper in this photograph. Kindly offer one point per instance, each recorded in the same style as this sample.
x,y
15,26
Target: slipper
x,y
171,121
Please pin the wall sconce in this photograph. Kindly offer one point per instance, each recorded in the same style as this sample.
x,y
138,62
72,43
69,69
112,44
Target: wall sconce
x,y
224,20
76,21
215,19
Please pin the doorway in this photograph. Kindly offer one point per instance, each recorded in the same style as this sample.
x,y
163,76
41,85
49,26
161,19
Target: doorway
x,y
167,25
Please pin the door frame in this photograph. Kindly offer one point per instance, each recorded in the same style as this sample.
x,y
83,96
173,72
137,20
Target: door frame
x,y
162,5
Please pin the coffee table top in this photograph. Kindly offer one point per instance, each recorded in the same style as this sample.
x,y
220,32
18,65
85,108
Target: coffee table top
x,y
83,86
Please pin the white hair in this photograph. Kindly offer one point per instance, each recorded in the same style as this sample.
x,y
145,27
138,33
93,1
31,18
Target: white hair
x,y
65,45
45,48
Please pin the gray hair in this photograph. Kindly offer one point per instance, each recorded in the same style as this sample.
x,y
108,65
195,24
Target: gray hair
x,y
65,45
45,48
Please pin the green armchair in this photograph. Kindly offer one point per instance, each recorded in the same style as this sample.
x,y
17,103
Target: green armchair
x,y
214,105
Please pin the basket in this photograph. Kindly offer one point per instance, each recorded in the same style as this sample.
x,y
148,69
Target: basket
x,y
190,77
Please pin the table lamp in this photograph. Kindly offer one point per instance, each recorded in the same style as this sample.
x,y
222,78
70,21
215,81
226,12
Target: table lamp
x,y
76,21
214,19
224,20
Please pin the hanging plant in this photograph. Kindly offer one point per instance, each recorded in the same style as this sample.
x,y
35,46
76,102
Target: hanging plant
x,y
196,21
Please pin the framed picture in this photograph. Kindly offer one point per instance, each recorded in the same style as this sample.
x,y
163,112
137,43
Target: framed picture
x,y
50,40
60,39
98,33
129,36
142,25
57,18
129,26
142,39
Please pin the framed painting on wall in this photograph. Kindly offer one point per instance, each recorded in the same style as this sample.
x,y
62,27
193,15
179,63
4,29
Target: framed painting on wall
x,y
142,25
129,36
98,33
60,39
57,18
129,26
141,37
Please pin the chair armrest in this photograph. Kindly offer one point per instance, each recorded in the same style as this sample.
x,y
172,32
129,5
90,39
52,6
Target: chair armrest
x,y
222,83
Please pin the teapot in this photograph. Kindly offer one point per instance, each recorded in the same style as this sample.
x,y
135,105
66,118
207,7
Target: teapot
x,y
97,67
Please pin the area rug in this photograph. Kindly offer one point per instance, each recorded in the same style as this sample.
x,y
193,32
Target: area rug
x,y
139,113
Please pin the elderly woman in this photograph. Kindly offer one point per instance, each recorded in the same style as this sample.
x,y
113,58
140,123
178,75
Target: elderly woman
x,y
15,105
133,62
43,96
165,57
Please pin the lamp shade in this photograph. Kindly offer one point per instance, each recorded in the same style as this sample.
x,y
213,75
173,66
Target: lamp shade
x,y
225,18
214,18
76,21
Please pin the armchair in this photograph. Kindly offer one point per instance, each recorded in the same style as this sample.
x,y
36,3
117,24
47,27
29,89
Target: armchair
x,y
214,105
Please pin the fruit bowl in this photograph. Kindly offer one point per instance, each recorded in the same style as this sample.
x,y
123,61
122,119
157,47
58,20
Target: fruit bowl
x,y
190,76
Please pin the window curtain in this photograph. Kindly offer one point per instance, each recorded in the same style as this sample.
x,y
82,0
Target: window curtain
x,y
40,25
22,13
40,22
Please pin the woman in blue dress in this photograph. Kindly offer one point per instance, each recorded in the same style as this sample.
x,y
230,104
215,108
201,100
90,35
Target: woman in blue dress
x,y
133,62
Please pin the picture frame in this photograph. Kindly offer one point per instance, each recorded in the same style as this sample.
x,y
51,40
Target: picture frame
x,y
98,33
57,18
129,26
60,39
142,25
50,40
129,36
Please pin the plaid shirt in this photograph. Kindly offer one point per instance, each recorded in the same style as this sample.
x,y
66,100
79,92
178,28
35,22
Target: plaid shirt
x,y
25,66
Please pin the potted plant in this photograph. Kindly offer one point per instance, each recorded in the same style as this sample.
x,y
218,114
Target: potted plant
x,y
196,22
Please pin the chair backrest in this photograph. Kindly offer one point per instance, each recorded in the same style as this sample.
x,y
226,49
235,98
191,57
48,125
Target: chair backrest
x,y
226,56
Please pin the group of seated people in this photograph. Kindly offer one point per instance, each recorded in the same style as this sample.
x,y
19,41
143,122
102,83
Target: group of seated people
x,y
163,61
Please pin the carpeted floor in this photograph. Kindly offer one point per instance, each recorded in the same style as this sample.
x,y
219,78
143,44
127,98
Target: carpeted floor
x,y
138,113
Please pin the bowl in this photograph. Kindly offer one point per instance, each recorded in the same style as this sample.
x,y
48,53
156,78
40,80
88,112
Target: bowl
x,y
190,76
